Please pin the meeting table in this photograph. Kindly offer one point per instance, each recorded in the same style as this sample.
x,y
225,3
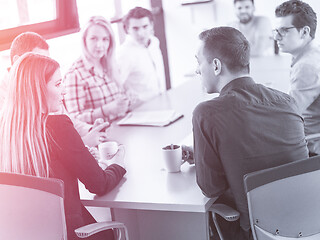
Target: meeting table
x,y
153,203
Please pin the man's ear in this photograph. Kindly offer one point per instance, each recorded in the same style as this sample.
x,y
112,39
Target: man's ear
x,y
216,64
305,31
15,58
152,26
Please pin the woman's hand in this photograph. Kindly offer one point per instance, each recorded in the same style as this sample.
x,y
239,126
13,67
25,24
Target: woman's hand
x,y
97,133
119,157
117,108
94,152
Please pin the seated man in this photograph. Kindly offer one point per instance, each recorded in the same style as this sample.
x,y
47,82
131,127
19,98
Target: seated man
x,y
33,42
140,58
257,29
247,128
295,33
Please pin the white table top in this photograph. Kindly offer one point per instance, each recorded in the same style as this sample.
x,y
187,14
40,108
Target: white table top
x,y
272,71
147,185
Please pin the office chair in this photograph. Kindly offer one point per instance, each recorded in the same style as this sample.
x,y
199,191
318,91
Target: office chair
x,y
228,213
283,202
32,208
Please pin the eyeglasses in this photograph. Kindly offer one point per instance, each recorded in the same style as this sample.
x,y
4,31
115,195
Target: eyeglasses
x,y
282,32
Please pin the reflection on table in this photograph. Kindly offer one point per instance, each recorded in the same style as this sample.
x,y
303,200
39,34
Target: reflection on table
x,y
152,203
272,71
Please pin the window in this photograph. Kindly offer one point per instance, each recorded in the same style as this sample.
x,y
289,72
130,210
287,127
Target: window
x,y
49,18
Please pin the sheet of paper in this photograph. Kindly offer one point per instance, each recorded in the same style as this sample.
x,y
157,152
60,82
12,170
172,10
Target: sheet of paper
x,y
150,118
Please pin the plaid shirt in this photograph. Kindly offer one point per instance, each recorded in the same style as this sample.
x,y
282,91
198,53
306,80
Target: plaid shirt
x,y
87,91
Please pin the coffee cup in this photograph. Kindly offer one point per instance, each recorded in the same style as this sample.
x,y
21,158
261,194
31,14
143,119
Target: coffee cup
x,y
107,150
172,157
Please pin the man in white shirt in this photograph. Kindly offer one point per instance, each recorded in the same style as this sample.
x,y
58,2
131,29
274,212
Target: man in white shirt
x,y
140,58
257,29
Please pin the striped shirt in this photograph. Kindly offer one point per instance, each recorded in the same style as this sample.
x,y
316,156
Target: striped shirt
x,y
87,91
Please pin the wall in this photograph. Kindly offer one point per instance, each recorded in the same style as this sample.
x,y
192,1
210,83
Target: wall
x,y
184,23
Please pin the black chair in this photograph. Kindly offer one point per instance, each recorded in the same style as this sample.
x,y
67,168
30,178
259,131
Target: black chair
x,y
32,208
283,202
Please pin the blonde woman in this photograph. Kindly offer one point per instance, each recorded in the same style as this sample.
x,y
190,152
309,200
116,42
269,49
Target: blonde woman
x,y
92,90
36,142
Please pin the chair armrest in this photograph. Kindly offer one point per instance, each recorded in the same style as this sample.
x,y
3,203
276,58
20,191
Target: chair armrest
x,y
225,211
313,136
90,229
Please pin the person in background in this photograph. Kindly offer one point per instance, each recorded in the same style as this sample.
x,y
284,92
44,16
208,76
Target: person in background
x,y
36,142
140,58
248,127
92,89
295,34
257,29
33,42
25,42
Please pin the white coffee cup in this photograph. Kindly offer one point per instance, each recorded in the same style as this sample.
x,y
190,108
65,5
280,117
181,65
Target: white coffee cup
x,y
107,150
172,157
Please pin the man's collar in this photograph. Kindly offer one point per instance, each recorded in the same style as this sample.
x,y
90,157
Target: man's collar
x,y
302,51
131,40
236,83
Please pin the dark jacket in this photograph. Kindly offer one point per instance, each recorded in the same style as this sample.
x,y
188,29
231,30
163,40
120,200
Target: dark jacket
x,y
71,161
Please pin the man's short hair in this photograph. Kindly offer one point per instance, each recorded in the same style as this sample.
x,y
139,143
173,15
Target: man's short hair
x,y
234,2
137,12
228,45
26,42
303,14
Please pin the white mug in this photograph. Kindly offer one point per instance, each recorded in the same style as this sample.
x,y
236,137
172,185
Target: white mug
x,y
107,150
172,157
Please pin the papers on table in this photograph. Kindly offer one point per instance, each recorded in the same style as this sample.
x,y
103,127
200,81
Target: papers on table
x,y
190,2
159,118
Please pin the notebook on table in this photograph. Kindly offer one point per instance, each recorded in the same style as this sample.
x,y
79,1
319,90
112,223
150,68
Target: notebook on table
x,y
158,118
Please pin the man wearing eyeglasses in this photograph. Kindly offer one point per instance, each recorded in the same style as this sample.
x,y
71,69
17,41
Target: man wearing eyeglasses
x,y
257,29
295,33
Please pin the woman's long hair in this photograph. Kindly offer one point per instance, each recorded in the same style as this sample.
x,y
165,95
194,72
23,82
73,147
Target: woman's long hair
x,y
23,142
108,61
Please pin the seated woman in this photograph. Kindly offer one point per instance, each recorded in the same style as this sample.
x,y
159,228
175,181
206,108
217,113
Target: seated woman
x,y
33,42
92,90
36,142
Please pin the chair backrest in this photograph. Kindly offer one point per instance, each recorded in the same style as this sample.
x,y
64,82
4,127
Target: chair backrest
x,y
31,208
284,201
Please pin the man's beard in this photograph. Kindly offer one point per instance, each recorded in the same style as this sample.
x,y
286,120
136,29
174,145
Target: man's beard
x,y
247,19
